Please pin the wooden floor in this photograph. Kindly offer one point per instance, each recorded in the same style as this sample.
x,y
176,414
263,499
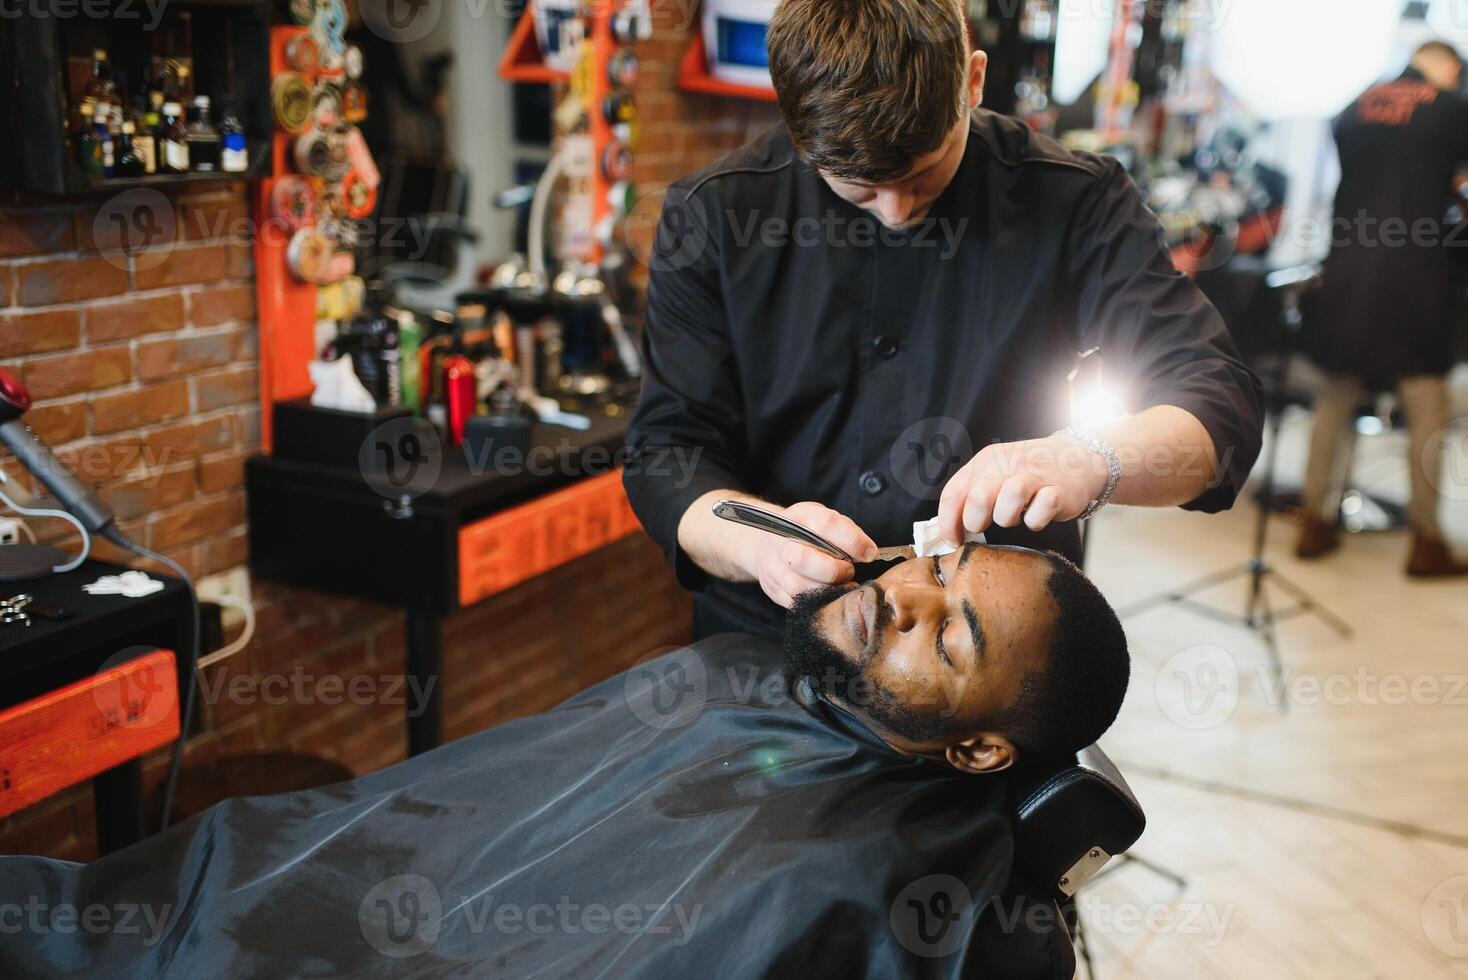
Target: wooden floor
x,y
1320,824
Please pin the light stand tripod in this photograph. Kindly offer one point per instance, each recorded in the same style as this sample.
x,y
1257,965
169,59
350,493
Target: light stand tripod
x,y
1260,614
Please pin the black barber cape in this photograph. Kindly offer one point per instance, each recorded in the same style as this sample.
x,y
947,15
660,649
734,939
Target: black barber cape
x,y
1386,310
798,350
693,817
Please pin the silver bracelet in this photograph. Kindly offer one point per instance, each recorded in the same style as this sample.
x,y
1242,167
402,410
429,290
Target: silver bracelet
x,y
1103,449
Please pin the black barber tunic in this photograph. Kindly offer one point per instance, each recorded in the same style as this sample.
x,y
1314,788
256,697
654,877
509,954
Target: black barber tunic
x,y
1386,311
798,350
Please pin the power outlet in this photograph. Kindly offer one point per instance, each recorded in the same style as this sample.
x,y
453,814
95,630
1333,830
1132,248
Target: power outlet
x,y
234,585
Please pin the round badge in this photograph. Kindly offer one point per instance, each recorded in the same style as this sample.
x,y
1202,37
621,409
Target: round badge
x,y
293,203
341,265
309,255
623,68
616,162
354,102
352,61
290,97
303,54
358,199
338,163
326,107
619,107
312,154
329,29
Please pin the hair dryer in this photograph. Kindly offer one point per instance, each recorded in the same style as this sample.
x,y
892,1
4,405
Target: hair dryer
x,y
16,436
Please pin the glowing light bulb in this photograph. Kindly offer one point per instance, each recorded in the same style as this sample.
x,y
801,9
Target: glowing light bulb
x,y
1095,405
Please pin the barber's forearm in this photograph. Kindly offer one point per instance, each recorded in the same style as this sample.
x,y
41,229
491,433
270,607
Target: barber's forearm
x,y
1167,457
721,548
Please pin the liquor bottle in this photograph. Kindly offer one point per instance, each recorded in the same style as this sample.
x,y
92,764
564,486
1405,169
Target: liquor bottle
x,y
173,146
128,162
144,143
203,139
104,138
101,89
236,154
88,143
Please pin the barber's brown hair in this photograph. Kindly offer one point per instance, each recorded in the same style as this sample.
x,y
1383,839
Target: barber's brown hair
x,y
869,86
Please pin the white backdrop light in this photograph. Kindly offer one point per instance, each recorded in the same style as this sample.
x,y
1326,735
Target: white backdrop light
x,y
1082,46
1301,59
1449,20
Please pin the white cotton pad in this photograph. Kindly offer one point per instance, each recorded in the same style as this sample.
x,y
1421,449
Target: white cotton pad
x,y
927,544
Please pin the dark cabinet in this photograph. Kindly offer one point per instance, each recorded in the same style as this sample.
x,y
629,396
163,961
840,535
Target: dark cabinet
x,y
45,66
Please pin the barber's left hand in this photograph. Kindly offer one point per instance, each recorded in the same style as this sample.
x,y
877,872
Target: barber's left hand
x,y
1036,482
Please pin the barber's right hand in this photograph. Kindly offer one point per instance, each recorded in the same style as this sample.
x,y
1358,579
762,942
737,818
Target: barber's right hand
x,y
786,568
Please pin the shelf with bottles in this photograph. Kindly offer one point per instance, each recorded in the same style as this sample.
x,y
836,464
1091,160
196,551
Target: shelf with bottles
x,y
197,77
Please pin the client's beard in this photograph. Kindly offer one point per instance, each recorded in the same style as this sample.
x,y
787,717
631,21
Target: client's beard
x,y
809,654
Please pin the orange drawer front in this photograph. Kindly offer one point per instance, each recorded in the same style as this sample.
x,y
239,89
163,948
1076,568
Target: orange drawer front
x,y
502,551
80,730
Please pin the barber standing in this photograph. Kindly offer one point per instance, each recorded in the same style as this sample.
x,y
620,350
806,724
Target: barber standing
x,y
868,316
1386,310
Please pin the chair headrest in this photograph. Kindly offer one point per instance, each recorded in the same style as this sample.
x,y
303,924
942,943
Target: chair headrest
x,y
1073,816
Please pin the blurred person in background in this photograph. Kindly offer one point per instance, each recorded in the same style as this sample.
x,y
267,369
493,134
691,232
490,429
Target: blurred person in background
x,y
1386,307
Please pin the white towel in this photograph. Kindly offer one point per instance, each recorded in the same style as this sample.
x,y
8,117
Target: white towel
x,y
927,544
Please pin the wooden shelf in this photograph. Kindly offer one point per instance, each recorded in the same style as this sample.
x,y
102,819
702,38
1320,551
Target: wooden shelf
x,y
522,61
693,76
78,182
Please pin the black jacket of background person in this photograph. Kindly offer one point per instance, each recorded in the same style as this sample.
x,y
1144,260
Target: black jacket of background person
x,y
1386,309
797,350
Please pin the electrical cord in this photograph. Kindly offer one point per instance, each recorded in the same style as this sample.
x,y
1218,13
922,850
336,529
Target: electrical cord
x,y
30,535
187,718
248,609
60,515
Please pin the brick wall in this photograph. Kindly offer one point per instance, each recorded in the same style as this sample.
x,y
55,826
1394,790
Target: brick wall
x,y
145,374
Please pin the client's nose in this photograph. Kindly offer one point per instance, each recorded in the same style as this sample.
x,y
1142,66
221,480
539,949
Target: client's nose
x,y
909,603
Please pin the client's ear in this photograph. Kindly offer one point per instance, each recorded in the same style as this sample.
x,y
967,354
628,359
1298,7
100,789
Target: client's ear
x,y
982,754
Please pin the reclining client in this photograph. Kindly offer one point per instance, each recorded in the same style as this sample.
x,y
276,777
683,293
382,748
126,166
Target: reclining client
x,y
727,809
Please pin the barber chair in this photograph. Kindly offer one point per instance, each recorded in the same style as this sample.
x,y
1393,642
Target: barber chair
x,y
425,249
1074,815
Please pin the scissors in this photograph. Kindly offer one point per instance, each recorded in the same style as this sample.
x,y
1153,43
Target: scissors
x,y
757,517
